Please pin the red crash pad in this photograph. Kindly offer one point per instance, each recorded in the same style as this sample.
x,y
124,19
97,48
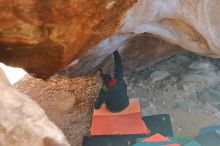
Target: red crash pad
x,y
156,140
159,138
128,121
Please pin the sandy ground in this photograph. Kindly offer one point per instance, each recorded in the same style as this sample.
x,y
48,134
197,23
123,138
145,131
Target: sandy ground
x,y
68,103
186,86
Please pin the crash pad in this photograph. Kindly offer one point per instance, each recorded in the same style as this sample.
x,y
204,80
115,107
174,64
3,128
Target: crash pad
x,y
178,139
209,129
110,140
209,139
156,140
134,106
192,143
128,121
159,124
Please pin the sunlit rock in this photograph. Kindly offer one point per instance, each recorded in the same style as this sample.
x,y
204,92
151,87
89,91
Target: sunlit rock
x,y
23,122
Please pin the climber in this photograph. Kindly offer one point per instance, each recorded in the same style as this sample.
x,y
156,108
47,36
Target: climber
x,y
114,90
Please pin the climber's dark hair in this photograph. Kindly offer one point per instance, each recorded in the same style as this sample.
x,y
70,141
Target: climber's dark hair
x,y
106,78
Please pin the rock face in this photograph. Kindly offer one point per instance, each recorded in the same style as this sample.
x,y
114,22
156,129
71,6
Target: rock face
x,y
192,25
23,122
137,52
44,37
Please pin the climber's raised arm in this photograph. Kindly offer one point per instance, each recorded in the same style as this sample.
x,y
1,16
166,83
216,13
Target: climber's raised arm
x,y
118,73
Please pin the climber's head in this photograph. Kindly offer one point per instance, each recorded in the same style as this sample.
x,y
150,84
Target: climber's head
x,y
106,78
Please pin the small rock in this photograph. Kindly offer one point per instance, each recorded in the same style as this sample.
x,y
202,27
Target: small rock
x,y
179,129
159,75
141,84
64,101
181,58
189,110
205,66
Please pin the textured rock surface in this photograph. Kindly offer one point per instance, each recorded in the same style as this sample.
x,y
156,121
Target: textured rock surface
x,y
189,93
194,25
44,37
23,122
137,52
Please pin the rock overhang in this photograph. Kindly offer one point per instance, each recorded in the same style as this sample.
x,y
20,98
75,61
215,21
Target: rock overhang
x,y
80,32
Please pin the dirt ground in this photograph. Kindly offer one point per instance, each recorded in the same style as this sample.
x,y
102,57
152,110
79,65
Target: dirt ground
x,y
68,103
185,86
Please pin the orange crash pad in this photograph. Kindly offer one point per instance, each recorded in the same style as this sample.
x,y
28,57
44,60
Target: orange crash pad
x,y
128,121
157,140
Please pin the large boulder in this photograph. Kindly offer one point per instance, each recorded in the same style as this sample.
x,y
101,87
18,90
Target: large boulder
x,y
23,122
44,36
47,36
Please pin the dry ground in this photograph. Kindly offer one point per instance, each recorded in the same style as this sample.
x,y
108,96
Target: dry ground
x,y
68,103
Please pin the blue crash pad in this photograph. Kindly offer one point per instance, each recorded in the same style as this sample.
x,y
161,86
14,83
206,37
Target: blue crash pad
x,y
209,129
209,139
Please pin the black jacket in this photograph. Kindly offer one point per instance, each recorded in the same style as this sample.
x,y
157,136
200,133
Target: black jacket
x,y
115,97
